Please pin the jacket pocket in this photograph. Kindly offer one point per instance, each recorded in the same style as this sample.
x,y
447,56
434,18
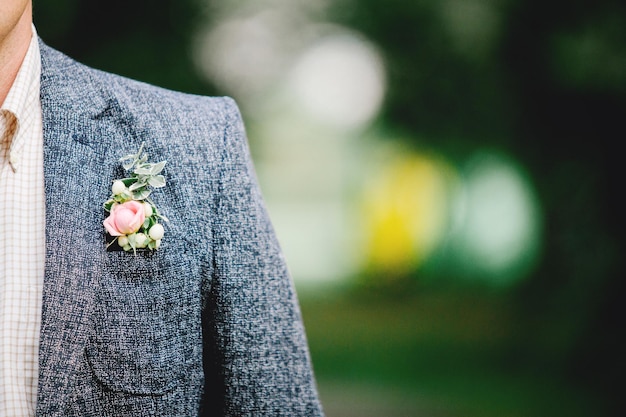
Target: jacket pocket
x,y
145,326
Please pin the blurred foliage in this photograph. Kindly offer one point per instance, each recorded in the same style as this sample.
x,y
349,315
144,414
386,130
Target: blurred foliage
x,y
537,90
145,40
433,353
545,80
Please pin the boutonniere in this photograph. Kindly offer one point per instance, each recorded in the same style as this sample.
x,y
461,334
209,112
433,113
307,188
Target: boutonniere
x,y
133,221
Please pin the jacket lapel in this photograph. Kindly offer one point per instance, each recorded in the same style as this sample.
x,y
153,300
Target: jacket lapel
x,y
78,126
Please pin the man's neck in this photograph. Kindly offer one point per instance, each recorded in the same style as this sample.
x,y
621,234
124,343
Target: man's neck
x,y
13,49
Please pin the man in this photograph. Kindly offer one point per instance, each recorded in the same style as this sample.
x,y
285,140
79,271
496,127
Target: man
x,y
207,324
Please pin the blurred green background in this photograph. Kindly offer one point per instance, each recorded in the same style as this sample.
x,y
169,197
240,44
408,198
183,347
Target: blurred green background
x,y
443,175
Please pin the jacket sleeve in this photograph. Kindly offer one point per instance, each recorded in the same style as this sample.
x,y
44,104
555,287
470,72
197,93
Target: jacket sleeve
x,y
256,356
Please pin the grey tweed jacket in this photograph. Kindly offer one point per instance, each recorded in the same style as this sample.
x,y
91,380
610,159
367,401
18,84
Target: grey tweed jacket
x,y
207,325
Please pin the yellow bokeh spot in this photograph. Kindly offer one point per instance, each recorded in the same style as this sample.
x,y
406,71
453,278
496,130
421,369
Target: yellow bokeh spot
x,y
405,213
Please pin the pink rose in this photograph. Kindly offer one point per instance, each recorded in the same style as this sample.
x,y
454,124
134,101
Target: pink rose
x,y
125,218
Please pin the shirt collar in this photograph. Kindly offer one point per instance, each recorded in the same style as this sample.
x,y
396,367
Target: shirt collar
x,y
22,99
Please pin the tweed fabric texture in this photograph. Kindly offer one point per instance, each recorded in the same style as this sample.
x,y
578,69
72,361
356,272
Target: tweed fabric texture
x,y
207,325
22,242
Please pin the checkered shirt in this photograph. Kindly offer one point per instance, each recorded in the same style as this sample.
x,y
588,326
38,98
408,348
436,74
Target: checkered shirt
x,y
22,238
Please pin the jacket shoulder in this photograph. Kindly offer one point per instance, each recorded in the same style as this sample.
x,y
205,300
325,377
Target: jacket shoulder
x,y
135,98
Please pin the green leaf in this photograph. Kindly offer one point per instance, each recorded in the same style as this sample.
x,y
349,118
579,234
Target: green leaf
x,y
137,185
143,170
157,181
157,168
108,204
148,223
141,194
128,164
121,198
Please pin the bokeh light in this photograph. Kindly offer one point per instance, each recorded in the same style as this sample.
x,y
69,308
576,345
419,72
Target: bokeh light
x,y
406,206
245,55
339,81
499,227
480,221
473,26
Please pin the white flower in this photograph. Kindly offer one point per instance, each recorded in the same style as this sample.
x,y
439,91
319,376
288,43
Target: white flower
x,y
147,208
156,232
122,241
118,187
141,240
